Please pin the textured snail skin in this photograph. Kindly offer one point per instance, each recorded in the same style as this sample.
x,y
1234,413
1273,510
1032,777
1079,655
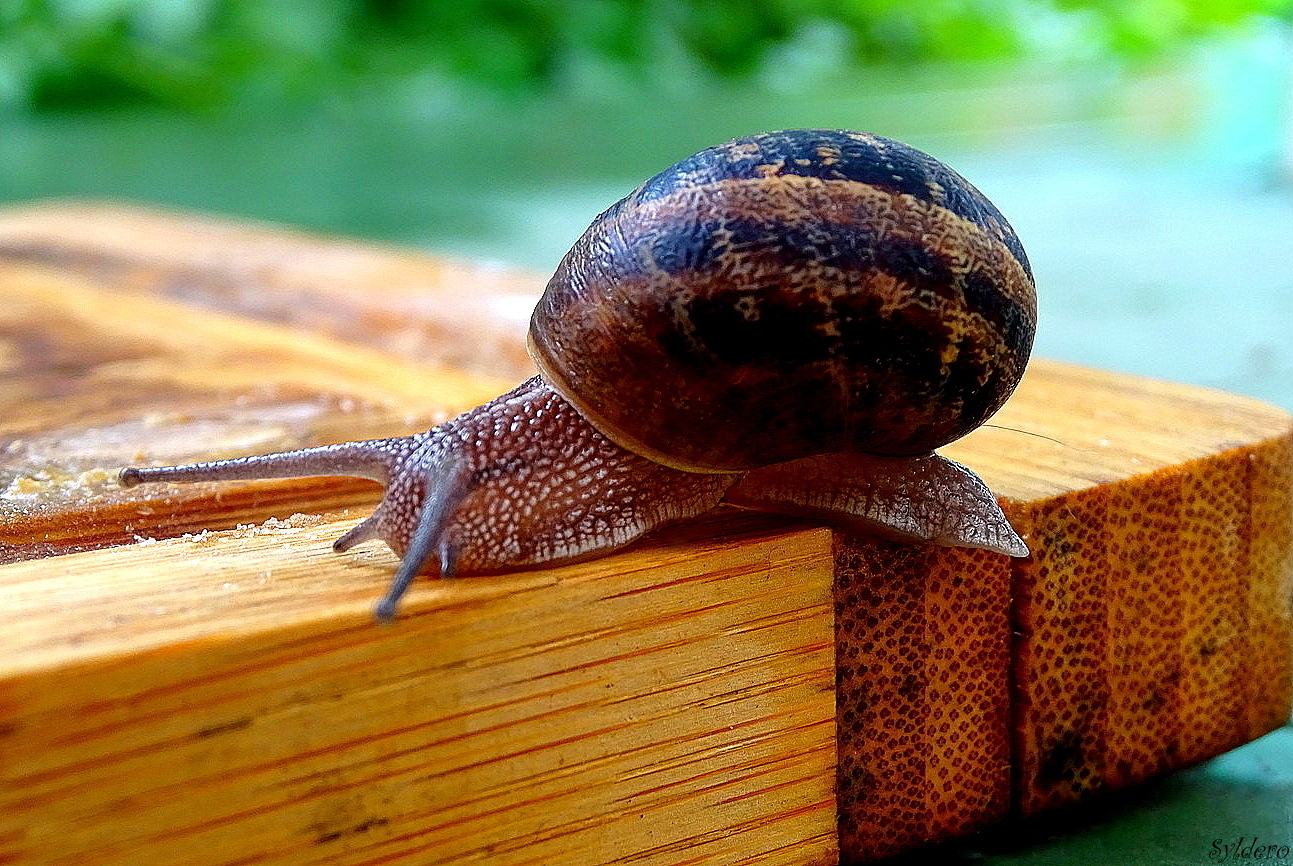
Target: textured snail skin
x,y
791,322
926,498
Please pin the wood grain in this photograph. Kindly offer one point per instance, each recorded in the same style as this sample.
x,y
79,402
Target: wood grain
x,y
416,306
97,378
718,693
217,701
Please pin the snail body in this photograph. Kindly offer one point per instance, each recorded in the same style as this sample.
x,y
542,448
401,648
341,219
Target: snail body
x,y
791,321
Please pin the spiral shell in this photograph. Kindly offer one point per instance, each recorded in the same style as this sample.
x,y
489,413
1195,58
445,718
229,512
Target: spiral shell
x,y
790,294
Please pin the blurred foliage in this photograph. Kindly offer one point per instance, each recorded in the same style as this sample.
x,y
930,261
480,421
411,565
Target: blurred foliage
x,y
197,53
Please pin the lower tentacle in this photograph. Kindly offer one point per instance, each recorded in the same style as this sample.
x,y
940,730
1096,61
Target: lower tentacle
x,y
365,531
445,484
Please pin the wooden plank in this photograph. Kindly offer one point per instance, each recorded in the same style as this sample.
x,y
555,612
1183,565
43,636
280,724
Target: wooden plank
x,y
1149,629
1175,551
635,737
923,704
218,701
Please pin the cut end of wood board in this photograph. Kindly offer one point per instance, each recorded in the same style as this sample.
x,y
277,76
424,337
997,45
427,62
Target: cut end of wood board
x,y
1153,622
1150,628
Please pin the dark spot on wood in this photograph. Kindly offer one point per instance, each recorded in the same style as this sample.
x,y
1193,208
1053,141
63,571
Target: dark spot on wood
x,y
222,728
1062,761
323,837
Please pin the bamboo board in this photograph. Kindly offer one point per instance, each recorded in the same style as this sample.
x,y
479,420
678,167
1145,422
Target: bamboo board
x,y
722,692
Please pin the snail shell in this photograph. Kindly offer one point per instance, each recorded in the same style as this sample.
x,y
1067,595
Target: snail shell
x,y
791,321
790,294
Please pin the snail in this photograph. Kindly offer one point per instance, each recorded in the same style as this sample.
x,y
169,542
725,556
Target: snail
x,y
792,321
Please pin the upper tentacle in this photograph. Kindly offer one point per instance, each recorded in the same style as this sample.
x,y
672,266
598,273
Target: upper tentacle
x,y
371,458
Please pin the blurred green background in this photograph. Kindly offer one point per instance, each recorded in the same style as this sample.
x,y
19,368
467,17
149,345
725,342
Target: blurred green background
x,y
1142,148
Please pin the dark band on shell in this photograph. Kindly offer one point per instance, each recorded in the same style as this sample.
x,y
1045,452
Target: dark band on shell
x,y
837,155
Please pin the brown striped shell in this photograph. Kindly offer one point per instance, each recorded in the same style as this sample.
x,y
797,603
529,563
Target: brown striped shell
x,y
790,294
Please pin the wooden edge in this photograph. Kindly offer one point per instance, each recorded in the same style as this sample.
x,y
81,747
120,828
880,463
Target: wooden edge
x,y
672,705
